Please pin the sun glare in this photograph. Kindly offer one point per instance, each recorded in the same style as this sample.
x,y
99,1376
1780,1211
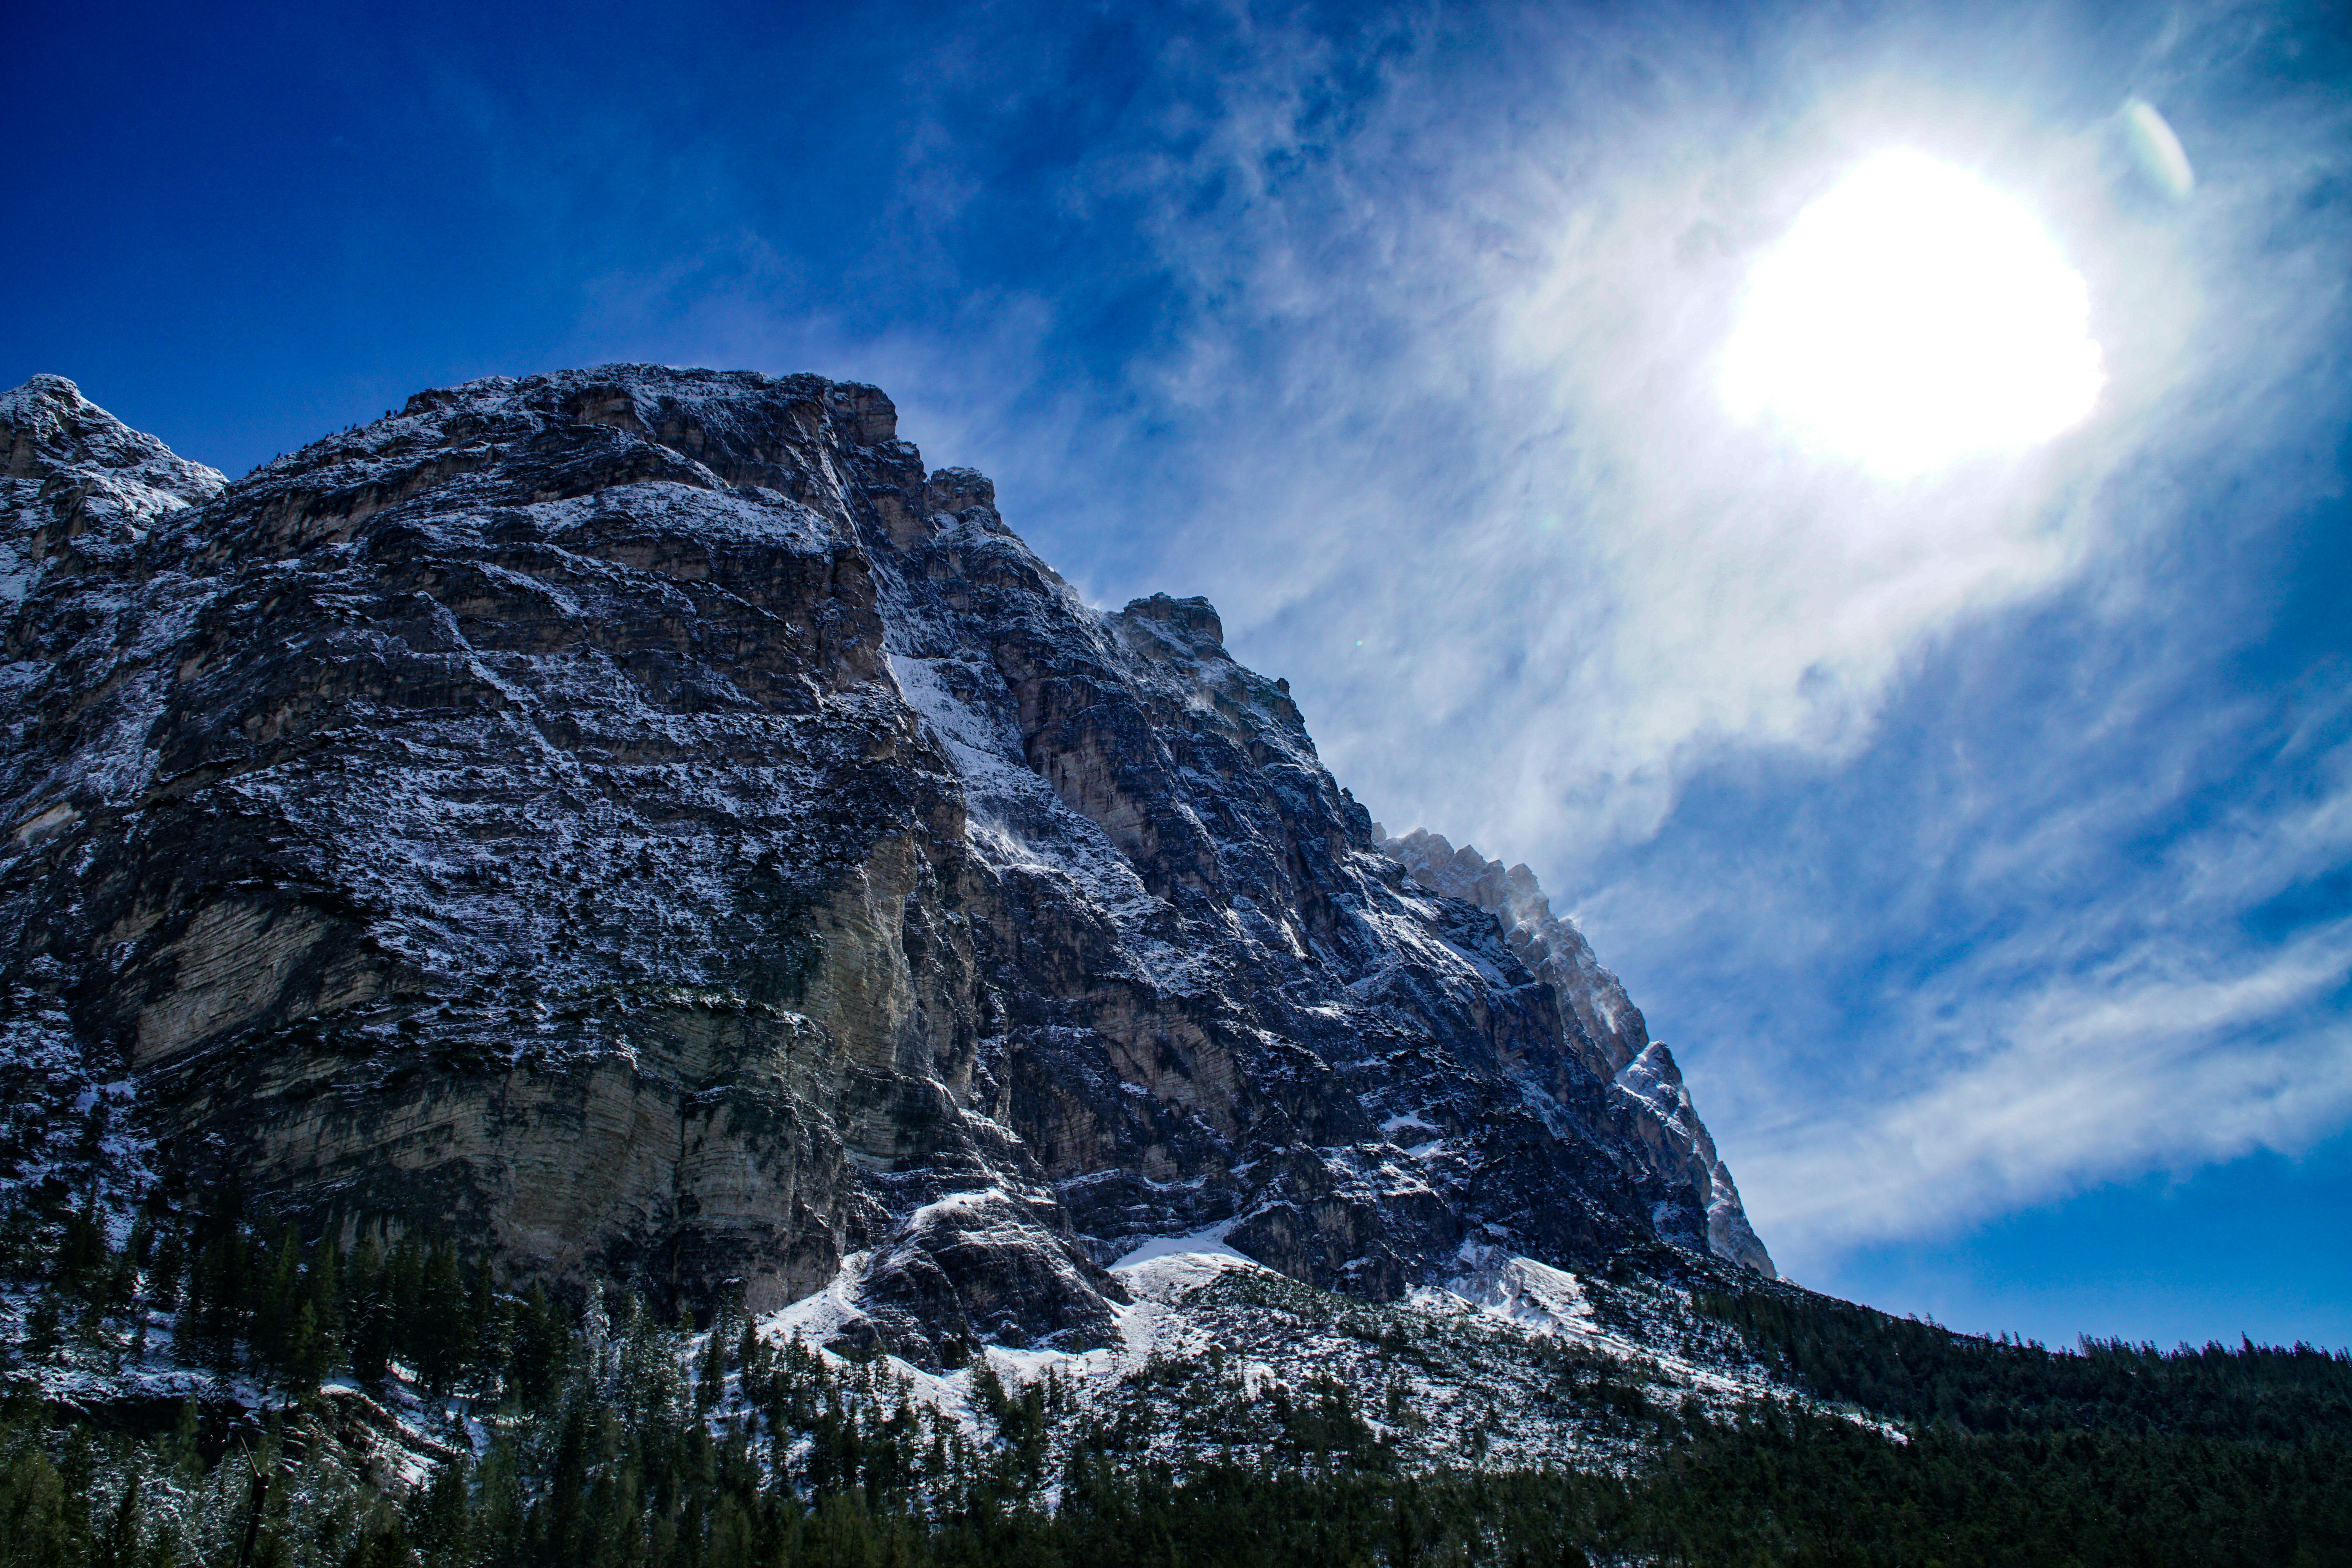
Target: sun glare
x,y
1913,316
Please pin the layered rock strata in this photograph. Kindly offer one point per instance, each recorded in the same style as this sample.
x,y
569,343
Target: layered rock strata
x,y
642,820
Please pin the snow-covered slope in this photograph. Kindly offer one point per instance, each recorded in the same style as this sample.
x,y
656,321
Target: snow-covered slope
x,y
1505,1362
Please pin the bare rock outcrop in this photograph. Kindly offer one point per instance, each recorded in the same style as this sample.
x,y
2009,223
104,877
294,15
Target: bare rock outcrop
x,y
1652,1109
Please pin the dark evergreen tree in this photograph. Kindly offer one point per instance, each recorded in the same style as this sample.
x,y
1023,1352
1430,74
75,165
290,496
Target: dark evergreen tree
x,y
371,1316
441,1341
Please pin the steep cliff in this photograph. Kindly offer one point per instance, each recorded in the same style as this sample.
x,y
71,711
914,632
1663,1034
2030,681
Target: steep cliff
x,y
642,820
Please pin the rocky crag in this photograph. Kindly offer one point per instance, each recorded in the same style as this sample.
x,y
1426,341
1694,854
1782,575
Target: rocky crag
x,y
643,822
1650,1109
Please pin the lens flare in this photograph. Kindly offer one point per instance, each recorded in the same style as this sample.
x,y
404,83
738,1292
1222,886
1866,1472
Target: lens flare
x,y
2161,156
1911,317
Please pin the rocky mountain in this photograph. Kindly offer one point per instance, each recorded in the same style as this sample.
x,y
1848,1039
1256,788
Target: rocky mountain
x,y
1649,1108
643,823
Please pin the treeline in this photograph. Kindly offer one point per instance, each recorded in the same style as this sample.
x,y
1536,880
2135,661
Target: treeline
x,y
1925,1374
596,1484
265,1304
1787,1488
595,1434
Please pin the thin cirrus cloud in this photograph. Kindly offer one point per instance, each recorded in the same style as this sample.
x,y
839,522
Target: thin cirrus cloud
x,y
1967,831
2143,1029
2117,1072
1437,421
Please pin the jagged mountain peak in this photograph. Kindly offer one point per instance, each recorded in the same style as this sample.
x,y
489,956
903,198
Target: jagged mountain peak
x,y
54,432
1599,1020
81,488
642,820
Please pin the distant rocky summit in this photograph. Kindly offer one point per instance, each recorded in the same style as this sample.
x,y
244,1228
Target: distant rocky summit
x,y
1650,1109
641,822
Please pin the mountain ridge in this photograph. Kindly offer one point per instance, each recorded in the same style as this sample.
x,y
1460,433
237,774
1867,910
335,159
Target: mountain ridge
x,y
645,820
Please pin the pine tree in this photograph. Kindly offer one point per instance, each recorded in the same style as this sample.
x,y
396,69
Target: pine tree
x,y
710,1385
499,1522
369,1333
322,1288
443,1342
164,1276
308,1354
542,1352
488,1325
220,1301
404,1290
185,1450
42,1340
82,1255
277,1293
440,1519
120,1547
37,1523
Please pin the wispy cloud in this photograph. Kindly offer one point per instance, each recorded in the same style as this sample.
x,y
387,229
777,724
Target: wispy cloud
x,y
2154,1061
1475,492
1931,817
2079,979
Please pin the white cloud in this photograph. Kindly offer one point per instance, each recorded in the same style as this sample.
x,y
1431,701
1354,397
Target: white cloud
x,y
1434,418
2144,1018
1476,493
2163,1060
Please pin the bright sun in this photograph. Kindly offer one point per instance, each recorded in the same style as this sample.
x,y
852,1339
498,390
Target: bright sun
x,y
1911,316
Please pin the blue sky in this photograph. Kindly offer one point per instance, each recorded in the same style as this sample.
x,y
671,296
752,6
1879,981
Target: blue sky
x,y
1981,839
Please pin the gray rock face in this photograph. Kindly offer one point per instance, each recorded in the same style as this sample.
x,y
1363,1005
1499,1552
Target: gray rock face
x,y
642,820
1650,1110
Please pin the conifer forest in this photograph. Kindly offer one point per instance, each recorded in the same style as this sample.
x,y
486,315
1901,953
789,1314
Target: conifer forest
x,y
379,1402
